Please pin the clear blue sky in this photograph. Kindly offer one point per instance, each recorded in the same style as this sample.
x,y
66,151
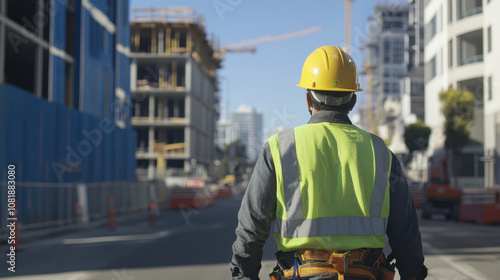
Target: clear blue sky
x,y
266,80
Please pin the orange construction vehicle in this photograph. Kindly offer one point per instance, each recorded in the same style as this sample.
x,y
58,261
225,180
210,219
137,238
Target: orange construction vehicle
x,y
440,196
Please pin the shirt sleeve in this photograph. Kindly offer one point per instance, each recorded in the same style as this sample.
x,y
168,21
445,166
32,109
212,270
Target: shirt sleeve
x,y
402,228
257,210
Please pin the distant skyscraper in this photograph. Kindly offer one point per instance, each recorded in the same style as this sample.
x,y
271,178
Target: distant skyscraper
x,y
386,52
246,123
225,134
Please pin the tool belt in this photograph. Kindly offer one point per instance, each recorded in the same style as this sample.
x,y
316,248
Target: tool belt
x,y
360,263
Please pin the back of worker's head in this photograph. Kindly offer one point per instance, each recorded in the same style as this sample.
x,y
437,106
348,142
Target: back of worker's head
x,y
339,101
330,76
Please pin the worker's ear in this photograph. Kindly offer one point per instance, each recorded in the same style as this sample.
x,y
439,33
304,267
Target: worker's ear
x,y
309,102
353,101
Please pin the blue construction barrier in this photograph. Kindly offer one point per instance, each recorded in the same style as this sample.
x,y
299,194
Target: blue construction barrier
x,y
50,143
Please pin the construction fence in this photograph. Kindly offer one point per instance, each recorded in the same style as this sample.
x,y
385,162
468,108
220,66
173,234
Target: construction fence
x,y
42,205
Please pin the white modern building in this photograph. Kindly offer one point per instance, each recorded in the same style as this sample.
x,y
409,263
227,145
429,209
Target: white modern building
x,y
246,123
461,49
491,80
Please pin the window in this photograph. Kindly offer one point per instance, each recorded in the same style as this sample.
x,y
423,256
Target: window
x,y
387,51
69,98
490,88
46,11
70,27
96,38
489,38
431,28
441,61
145,39
450,10
181,75
399,50
431,69
21,55
141,107
450,53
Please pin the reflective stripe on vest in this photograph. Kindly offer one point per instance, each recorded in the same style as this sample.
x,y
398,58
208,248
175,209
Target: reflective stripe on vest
x,y
291,223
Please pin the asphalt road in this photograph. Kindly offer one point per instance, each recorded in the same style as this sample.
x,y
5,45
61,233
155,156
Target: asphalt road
x,y
196,244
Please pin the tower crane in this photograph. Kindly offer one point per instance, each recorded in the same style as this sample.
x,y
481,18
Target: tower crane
x,y
347,23
248,45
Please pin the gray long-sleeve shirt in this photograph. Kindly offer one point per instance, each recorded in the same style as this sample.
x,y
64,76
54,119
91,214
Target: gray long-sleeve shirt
x,y
258,209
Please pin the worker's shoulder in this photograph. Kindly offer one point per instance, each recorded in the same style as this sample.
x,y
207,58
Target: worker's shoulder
x,y
281,133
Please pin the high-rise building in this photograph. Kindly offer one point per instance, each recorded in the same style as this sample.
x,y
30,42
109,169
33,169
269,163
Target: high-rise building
x,y
387,65
461,51
174,87
412,86
64,70
225,133
64,96
246,123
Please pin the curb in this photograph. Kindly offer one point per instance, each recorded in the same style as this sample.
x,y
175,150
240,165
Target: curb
x,y
41,233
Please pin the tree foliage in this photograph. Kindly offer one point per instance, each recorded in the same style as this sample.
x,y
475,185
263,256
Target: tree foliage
x,y
417,136
458,110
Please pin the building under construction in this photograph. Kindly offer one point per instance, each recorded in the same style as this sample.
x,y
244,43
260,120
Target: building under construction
x,y
174,88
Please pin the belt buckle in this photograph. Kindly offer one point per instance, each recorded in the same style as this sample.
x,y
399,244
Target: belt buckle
x,y
347,258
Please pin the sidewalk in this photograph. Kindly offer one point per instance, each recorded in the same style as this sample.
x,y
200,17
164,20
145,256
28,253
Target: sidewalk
x,y
37,234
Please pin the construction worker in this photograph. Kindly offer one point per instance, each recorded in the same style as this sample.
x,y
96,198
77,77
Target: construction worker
x,y
332,190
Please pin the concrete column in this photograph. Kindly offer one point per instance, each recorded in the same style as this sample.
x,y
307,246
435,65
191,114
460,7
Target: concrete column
x,y
133,74
151,108
189,72
165,108
161,42
188,141
176,108
151,139
151,170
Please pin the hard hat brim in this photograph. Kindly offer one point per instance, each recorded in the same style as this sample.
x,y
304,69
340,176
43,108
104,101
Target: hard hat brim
x,y
329,89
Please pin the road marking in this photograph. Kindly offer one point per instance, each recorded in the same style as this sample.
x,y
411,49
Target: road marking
x,y
80,276
116,238
135,237
460,266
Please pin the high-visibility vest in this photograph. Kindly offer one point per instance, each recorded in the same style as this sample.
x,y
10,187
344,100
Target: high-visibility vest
x,y
332,187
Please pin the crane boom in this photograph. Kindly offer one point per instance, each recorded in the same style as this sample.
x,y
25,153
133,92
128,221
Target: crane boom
x,y
268,39
347,18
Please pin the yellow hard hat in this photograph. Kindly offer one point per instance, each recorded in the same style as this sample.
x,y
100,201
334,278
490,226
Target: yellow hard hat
x,y
329,68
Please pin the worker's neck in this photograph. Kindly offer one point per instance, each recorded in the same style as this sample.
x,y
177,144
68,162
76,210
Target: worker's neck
x,y
314,111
